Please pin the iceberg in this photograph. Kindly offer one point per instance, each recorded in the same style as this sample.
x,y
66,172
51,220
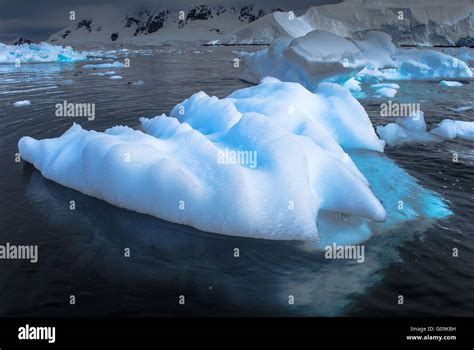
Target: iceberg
x,y
320,56
176,169
406,129
37,53
451,129
271,161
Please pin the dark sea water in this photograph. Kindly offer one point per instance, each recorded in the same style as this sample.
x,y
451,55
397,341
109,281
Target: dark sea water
x,y
81,252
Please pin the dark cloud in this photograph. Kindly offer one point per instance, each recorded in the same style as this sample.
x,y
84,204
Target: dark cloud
x,y
38,19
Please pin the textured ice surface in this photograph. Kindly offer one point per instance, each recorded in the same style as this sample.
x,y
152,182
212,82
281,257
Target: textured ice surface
x,y
271,161
33,53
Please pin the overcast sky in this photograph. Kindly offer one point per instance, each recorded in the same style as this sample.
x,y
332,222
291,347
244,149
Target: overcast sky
x,y
38,19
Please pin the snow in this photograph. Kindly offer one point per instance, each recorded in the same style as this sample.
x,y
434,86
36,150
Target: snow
x,y
173,171
425,23
156,24
115,77
38,53
451,129
406,129
115,64
22,103
450,83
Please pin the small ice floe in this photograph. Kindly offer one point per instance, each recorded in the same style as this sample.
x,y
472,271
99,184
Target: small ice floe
x,y
115,64
407,129
450,83
451,129
461,109
386,92
138,82
22,103
115,77
385,85
101,74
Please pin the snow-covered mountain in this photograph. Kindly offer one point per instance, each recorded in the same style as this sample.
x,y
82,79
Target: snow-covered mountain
x,y
198,23
20,41
409,22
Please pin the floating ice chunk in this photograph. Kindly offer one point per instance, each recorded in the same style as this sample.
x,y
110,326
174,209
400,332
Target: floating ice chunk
x,y
115,77
423,64
22,103
386,92
352,85
111,72
137,82
36,53
450,83
182,171
407,129
115,64
450,129
462,108
385,85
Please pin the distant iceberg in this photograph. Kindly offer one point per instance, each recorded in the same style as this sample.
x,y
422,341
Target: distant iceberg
x,y
272,161
36,53
321,56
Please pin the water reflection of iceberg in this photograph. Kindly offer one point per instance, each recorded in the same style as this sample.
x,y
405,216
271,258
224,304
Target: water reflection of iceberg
x,y
266,273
